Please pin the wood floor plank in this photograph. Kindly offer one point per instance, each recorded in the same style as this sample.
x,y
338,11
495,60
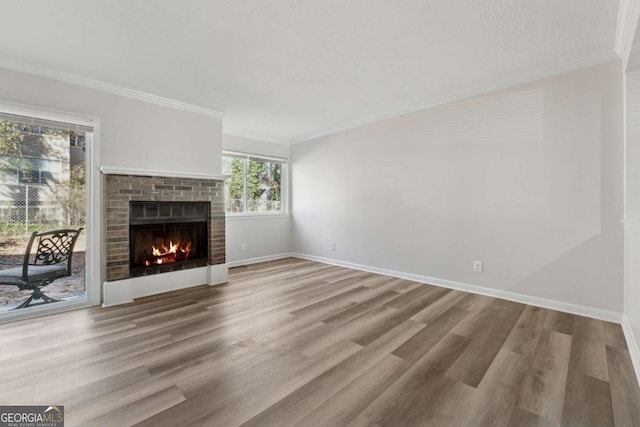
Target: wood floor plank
x,y
474,302
134,412
560,322
525,334
593,409
623,387
389,406
472,365
363,329
404,312
585,328
260,397
523,418
296,342
403,286
432,404
589,358
614,336
24,394
543,389
497,394
358,310
427,338
301,402
82,412
98,389
410,297
348,402
362,421
442,305
205,398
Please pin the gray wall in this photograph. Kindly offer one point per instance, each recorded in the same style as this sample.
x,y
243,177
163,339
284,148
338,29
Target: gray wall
x,y
632,208
529,180
133,134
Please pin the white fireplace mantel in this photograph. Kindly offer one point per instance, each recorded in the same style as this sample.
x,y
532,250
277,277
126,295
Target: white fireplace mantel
x,y
118,170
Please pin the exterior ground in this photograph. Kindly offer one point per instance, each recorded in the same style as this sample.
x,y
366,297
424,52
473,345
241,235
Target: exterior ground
x,y
12,253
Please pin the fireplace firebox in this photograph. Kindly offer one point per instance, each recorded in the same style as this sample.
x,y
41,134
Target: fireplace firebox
x,y
167,236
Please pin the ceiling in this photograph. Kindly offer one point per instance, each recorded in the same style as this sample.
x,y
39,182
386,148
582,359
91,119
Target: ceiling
x,y
287,70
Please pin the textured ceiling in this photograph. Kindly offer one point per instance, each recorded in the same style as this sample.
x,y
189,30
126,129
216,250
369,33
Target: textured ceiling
x,y
287,69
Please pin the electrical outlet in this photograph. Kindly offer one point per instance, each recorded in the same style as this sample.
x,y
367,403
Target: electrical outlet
x,y
333,246
477,266
243,247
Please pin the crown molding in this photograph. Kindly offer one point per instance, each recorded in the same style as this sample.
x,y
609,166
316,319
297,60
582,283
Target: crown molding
x,y
23,67
468,93
628,14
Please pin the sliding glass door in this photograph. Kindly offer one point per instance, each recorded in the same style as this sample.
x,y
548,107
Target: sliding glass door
x,y
43,187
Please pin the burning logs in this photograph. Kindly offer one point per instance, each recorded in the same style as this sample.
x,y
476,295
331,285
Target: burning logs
x,y
166,254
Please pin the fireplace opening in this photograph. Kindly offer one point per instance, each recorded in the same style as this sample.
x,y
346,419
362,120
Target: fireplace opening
x,y
167,236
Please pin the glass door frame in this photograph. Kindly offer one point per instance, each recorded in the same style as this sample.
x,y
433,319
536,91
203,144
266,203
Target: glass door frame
x,y
94,221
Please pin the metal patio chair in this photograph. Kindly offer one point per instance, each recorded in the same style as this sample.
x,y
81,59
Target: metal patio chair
x,y
50,261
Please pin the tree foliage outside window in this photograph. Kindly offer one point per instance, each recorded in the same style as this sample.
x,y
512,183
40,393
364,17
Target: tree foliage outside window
x,y
254,184
42,182
234,185
72,197
11,137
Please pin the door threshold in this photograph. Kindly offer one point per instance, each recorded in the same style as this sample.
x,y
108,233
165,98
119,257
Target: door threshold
x,y
45,309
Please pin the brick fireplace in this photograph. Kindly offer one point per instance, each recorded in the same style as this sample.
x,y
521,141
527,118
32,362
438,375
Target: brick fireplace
x,y
123,281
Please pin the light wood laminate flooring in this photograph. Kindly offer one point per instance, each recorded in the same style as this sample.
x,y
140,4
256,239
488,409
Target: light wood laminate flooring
x,y
294,342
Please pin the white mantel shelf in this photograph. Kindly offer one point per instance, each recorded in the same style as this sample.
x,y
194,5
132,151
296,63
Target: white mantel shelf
x,y
117,170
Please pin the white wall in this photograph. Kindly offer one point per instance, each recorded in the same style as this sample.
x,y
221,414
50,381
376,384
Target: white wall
x,y
133,134
632,205
264,236
529,180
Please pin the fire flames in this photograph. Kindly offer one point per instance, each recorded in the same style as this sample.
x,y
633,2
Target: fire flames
x,y
168,253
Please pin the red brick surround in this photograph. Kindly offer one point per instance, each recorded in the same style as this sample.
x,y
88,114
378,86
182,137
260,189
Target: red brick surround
x,y
121,189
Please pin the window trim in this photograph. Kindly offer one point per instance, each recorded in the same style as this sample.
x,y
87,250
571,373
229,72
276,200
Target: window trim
x,y
284,191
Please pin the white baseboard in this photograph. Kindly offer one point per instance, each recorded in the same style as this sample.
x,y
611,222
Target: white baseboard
x,y
596,313
632,344
256,260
